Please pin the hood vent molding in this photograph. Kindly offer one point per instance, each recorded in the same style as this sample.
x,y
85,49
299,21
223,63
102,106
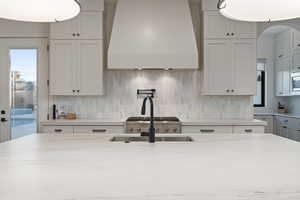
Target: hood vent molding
x,y
153,34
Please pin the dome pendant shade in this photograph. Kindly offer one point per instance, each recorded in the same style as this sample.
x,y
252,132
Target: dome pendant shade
x,y
260,10
39,10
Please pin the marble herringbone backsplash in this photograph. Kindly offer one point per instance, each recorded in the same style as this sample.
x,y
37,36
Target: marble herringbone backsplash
x,y
178,94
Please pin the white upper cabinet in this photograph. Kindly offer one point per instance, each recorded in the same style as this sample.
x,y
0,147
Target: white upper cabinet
x,y
62,67
230,67
296,60
92,5
209,5
90,68
76,67
88,25
283,80
219,75
244,57
296,39
283,42
217,26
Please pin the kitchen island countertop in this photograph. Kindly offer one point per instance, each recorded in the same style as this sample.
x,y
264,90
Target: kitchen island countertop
x,y
90,167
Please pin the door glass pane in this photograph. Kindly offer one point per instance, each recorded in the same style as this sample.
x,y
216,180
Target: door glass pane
x,y
23,94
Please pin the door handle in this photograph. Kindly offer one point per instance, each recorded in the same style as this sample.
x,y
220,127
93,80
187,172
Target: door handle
x,y
3,119
99,130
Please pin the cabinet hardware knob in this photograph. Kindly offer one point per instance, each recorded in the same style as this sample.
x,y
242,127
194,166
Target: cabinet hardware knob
x,y
4,120
232,90
227,90
298,67
73,90
232,34
298,45
227,34
248,130
78,34
78,90
58,130
74,34
3,112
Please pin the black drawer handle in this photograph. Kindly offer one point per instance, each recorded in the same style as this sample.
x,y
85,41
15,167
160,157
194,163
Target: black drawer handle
x,y
207,131
248,130
99,130
58,130
284,127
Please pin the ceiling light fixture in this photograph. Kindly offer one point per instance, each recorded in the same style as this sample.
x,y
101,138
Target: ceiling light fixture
x,y
260,10
39,10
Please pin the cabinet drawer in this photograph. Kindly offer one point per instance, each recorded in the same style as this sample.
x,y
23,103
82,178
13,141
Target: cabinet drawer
x,y
293,124
283,121
58,129
206,129
99,129
248,129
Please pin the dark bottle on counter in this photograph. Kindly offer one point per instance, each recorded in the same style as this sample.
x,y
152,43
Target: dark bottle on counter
x,y
54,112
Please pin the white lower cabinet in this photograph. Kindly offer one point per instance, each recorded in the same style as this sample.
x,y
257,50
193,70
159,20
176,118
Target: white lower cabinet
x,y
248,129
207,129
222,129
58,129
99,129
270,122
84,129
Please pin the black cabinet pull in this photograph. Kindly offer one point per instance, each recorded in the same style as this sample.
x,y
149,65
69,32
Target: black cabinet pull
x,y
4,120
298,45
248,130
207,131
99,130
74,34
232,34
58,130
78,34
78,90
73,90
227,34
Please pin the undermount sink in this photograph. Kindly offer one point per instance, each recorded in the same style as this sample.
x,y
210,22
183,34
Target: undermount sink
x,y
128,139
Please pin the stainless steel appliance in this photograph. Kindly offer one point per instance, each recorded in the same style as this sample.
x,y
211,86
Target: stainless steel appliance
x,y
295,83
161,124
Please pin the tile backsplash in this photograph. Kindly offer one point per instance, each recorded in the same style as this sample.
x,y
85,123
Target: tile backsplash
x,y
178,94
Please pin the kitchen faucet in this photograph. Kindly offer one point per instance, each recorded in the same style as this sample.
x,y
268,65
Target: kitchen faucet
x,y
151,129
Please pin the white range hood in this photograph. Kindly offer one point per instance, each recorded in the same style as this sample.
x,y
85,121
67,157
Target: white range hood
x,y
153,34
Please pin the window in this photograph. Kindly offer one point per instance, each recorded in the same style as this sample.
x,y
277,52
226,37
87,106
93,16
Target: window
x,y
259,99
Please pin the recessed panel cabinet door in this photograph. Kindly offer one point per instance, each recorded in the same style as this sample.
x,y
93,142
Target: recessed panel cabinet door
x,y
90,25
90,68
62,67
244,30
216,26
245,67
218,73
64,30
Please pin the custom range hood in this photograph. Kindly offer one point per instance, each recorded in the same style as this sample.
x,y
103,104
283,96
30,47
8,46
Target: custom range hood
x,y
152,34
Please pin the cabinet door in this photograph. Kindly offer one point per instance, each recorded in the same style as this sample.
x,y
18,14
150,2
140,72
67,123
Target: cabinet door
x,y
248,129
90,25
296,60
62,67
92,5
64,30
244,30
206,129
286,64
216,26
90,67
283,131
58,129
296,39
279,79
283,44
244,59
218,67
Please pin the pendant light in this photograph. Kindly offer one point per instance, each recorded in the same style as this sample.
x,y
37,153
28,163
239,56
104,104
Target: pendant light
x,y
39,10
260,10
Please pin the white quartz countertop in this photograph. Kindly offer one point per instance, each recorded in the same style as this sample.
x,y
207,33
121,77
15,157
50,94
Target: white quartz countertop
x,y
119,122
89,167
280,114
